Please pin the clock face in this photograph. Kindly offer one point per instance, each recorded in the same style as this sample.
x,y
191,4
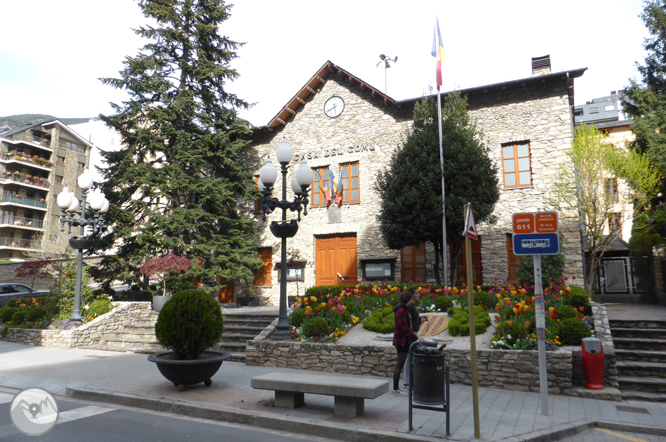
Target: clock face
x,y
334,106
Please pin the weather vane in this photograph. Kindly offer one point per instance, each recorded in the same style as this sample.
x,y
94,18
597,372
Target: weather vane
x,y
386,59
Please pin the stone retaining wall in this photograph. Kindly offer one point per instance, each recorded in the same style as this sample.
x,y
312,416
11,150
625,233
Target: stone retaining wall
x,y
88,334
507,369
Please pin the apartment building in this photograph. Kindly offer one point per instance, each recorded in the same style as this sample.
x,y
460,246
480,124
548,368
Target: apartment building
x,y
36,163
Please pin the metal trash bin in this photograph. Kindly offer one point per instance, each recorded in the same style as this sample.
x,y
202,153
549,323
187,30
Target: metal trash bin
x,y
428,367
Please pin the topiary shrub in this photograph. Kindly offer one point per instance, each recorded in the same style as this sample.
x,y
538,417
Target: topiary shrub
x,y
381,321
443,303
572,331
189,323
315,327
297,317
35,314
18,317
99,307
485,299
515,329
12,303
6,313
565,312
459,322
578,297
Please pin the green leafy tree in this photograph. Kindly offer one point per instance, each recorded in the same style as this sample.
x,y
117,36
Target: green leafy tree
x,y
580,188
410,187
645,101
175,183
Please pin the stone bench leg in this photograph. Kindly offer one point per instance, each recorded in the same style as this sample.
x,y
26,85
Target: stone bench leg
x,y
289,399
349,406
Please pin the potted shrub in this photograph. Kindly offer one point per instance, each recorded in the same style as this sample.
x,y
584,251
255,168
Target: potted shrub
x,y
247,297
160,268
188,325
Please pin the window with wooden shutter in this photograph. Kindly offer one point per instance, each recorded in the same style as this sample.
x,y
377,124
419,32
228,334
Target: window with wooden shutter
x,y
511,258
264,276
461,270
413,261
320,185
516,166
349,179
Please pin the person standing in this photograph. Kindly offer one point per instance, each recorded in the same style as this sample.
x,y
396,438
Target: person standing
x,y
403,335
416,323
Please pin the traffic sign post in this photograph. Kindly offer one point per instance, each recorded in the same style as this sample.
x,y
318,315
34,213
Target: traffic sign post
x,y
470,233
536,234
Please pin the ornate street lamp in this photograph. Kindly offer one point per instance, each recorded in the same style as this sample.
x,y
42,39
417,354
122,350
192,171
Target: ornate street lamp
x,y
68,204
283,229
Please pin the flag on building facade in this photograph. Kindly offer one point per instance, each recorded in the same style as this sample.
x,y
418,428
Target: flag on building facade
x,y
438,52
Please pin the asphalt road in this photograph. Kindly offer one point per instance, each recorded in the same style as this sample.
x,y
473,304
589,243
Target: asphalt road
x,y
81,421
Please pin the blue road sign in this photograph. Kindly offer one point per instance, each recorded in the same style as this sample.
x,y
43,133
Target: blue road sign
x,y
536,244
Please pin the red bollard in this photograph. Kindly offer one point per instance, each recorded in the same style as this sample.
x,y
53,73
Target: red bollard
x,y
593,363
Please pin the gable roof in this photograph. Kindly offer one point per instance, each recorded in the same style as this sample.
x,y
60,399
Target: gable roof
x,y
49,123
320,77
311,88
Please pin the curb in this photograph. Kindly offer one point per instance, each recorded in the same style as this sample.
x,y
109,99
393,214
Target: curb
x,y
561,431
310,427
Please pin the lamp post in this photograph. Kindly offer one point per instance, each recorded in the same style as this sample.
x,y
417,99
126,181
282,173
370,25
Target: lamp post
x,y
283,229
68,204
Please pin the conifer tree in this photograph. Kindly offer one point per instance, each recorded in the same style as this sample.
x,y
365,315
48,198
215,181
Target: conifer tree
x,y
175,184
410,188
645,102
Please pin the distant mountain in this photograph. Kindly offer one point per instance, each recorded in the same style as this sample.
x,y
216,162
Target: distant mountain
x,y
19,121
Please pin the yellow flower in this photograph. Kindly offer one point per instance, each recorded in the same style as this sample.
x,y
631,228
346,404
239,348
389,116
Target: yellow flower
x,y
356,286
551,309
515,310
323,304
513,293
498,296
509,322
313,299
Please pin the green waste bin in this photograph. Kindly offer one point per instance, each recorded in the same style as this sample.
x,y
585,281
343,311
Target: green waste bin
x,y
428,371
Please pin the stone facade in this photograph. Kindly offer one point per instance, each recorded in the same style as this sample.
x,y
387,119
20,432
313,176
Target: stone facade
x,y
369,131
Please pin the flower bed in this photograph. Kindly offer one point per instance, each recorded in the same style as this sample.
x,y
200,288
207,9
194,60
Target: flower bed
x,y
326,313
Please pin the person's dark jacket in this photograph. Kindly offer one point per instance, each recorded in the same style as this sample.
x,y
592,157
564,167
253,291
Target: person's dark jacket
x,y
416,319
403,336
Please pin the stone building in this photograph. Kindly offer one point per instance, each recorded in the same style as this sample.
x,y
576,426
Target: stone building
x,y
342,125
36,163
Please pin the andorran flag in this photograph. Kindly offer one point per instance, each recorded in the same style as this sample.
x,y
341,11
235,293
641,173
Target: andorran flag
x,y
438,52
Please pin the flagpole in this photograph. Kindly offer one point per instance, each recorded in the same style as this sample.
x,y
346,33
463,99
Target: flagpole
x,y
441,161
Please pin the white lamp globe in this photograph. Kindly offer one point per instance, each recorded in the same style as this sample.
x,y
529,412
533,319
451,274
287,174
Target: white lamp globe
x,y
85,180
96,201
260,185
284,152
304,174
74,205
268,173
295,187
64,198
105,206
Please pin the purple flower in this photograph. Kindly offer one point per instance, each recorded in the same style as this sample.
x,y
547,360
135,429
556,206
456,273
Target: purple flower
x,y
649,220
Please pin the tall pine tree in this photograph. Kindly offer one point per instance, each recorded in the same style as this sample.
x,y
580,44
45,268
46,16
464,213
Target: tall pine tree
x,y
645,102
175,184
410,188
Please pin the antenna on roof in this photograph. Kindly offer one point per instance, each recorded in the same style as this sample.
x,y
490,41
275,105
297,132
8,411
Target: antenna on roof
x,y
386,59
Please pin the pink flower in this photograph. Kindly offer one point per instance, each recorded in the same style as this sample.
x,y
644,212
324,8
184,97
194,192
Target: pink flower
x,y
358,298
340,308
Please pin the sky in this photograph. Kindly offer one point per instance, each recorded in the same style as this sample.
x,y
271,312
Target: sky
x,y
54,52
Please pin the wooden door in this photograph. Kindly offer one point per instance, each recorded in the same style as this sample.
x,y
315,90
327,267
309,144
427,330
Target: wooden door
x,y
227,293
336,255
511,258
413,261
461,270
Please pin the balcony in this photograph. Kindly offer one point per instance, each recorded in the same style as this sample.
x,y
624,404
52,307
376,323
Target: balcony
x,y
19,243
15,177
31,160
42,145
41,203
19,221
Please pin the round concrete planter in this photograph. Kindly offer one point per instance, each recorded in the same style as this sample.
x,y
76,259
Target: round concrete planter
x,y
159,301
184,372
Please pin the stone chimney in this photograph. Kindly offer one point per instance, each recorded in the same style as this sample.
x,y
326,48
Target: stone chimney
x,y
541,65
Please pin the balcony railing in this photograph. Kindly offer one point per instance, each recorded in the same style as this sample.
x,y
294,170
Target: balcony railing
x,y
19,242
24,200
17,178
21,221
25,158
41,141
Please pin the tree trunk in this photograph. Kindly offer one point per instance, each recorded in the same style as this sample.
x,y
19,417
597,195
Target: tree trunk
x,y
438,278
591,273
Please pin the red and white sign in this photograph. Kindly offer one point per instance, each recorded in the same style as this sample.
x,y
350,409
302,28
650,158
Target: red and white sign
x,y
470,225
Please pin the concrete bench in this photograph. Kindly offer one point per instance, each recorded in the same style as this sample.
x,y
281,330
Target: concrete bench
x,y
349,392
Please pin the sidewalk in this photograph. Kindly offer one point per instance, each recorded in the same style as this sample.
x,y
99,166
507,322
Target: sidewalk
x,y
129,379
